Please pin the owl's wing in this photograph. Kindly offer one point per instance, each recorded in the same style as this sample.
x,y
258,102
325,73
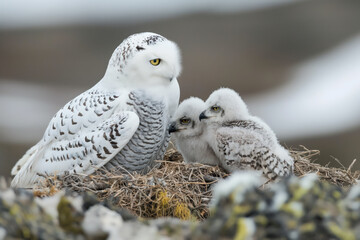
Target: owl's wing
x,y
83,136
277,162
84,112
237,145
86,152
23,160
248,145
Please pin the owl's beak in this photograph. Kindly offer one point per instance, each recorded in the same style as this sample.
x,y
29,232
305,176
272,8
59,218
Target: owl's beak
x,y
172,78
173,128
203,116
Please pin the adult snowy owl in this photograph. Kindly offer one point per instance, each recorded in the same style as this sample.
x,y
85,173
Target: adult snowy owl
x,y
187,131
120,123
242,141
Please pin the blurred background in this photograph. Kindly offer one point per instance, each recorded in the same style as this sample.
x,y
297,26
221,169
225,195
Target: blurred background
x,y
295,63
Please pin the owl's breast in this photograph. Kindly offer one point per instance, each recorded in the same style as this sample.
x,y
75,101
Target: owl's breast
x,y
150,140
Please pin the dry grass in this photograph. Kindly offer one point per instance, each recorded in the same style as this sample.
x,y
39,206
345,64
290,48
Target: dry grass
x,y
304,165
178,189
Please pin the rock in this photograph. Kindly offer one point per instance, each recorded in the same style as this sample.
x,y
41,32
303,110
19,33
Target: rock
x,y
2,233
23,218
101,221
294,208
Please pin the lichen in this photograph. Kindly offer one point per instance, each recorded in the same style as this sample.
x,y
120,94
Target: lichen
x,y
182,211
69,219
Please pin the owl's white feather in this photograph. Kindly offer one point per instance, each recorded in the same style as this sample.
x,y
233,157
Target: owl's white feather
x,y
242,141
187,131
101,127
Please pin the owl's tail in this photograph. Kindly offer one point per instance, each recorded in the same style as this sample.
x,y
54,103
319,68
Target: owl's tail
x,y
24,176
20,163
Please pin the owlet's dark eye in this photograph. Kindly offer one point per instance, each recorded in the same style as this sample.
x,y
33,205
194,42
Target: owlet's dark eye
x,y
185,121
215,108
155,61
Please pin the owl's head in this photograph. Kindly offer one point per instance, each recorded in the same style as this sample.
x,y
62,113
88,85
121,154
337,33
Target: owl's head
x,y
185,122
144,59
224,105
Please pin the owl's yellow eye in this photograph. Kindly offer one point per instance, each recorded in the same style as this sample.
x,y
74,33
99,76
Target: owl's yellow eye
x,y
155,61
215,108
185,121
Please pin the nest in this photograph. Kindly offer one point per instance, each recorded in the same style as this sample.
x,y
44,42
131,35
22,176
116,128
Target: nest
x,y
173,189
177,189
342,177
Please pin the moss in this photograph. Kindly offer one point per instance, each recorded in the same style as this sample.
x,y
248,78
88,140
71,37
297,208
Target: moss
x,y
242,230
261,220
289,208
242,209
341,233
182,211
69,219
308,227
161,206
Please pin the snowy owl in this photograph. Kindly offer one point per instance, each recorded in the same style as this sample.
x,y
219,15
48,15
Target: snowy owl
x,y
121,123
242,141
187,131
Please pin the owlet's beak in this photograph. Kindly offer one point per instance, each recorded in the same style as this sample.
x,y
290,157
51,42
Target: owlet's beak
x,y
203,116
172,127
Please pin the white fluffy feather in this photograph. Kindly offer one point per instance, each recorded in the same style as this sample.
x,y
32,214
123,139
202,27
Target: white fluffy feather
x,y
242,141
188,137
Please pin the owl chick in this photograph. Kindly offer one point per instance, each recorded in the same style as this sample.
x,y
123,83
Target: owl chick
x,y
187,130
242,141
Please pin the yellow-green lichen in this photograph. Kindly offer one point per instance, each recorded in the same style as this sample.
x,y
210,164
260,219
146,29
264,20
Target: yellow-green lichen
x,y
69,219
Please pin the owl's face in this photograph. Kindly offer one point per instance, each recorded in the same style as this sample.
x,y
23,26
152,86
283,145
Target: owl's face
x,y
145,60
185,122
224,105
